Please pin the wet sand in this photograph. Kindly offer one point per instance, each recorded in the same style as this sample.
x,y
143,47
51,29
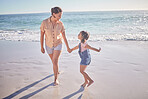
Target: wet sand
x,y
119,71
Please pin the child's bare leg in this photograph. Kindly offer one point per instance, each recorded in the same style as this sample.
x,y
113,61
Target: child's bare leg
x,y
86,81
86,77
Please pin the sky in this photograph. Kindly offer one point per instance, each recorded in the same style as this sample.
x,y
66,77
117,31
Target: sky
x,y
38,6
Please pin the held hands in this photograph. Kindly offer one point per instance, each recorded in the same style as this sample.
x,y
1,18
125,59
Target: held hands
x,y
69,50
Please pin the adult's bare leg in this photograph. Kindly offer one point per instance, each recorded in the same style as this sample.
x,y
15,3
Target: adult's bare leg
x,y
55,59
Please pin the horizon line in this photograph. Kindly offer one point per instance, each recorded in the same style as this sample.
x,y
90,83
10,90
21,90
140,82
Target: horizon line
x,y
74,11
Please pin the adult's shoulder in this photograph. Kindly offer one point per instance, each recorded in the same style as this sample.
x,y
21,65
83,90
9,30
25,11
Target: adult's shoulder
x,y
61,22
45,20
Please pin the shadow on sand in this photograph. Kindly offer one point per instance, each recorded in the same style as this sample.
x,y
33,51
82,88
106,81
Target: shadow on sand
x,y
35,92
29,86
73,94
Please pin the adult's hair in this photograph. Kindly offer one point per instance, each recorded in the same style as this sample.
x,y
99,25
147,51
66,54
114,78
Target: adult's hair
x,y
85,36
56,10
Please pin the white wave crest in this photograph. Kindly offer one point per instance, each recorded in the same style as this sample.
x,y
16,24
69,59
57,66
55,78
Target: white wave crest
x,y
34,36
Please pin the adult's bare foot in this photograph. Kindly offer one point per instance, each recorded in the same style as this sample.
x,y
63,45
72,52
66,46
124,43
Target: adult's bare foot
x,y
56,82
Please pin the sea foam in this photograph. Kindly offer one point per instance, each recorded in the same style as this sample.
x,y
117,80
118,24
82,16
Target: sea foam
x,y
34,36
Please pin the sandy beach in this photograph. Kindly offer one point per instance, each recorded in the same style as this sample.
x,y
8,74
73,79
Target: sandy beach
x,y
119,71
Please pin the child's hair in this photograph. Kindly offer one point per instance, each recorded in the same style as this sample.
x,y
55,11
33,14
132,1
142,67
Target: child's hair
x,y
85,36
56,10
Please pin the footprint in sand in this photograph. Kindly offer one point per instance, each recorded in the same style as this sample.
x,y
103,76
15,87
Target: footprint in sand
x,y
104,69
118,62
7,69
11,75
135,64
26,79
137,70
19,74
107,58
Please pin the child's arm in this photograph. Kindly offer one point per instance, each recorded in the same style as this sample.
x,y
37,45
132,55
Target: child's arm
x,y
92,48
76,47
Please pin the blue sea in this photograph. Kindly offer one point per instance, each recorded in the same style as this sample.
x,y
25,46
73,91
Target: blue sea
x,y
102,25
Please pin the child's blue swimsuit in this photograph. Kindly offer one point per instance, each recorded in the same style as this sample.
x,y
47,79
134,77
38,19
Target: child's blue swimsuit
x,y
85,56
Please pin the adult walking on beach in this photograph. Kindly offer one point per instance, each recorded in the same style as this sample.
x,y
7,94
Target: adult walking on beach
x,y
54,31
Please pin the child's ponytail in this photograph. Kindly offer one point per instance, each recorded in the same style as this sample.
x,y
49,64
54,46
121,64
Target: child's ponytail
x,y
85,36
83,40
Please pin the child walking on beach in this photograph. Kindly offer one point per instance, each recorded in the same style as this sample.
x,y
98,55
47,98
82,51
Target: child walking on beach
x,y
85,56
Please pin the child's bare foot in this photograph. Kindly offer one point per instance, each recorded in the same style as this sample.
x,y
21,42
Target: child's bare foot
x,y
56,82
90,82
85,83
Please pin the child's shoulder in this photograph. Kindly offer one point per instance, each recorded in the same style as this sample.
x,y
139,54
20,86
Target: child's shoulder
x,y
84,43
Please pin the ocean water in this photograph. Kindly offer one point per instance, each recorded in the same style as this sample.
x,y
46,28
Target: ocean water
x,y
102,25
